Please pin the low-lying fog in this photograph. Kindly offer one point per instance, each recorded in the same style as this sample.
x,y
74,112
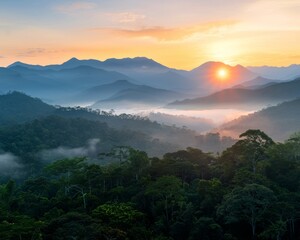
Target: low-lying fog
x,y
198,120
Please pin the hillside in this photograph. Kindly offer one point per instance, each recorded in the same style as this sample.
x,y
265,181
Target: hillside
x,y
22,114
138,96
244,98
279,121
100,92
16,107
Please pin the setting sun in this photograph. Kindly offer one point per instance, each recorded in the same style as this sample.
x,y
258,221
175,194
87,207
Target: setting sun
x,y
222,74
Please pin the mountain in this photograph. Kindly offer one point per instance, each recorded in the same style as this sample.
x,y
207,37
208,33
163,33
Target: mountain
x,y
206,75
143,70
25,65
86,76
22,79
61,83
280,73
101,92
137,96
16,107
54,86
74,75
279,121
27,122
195,123
244,98
258,82
138,64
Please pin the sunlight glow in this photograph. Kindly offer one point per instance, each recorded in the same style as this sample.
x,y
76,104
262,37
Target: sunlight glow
x,y
222,74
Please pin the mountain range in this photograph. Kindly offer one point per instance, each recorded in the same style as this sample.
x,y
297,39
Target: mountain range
x,y
72,78
139,81
280,73
243,97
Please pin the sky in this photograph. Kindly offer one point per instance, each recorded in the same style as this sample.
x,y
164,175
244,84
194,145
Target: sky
x,y
177,33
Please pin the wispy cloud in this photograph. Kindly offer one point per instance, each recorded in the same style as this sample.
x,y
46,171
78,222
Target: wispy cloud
x,y
31,52
125,17
168,34
9,165
75,7
90,150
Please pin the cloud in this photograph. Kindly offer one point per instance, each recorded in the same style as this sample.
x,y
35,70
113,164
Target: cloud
x,y
75,7
9,165
31,52
90,150
125,17
168,34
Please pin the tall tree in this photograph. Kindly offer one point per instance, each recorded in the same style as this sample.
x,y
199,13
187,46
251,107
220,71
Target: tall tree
x,y
249,204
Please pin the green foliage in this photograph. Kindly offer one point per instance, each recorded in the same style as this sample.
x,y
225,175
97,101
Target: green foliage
x,y
184,195
249,204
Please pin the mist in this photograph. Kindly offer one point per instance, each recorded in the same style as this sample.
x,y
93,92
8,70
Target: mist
x,y
10,166
90,151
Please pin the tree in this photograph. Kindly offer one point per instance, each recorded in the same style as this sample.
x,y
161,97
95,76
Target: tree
x,y
206,229
249,204
119,221
166,192
247,152
138,162
255,143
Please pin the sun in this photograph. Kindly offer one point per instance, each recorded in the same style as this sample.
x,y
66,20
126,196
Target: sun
x,y
222,74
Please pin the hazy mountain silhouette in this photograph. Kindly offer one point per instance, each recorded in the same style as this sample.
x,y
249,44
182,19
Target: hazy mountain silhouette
x,y
55,86
206,75
195,123
137,96
102,92
279,121
30,66
280,73
114,64
244,98
258,82
86,76
22,79
88,73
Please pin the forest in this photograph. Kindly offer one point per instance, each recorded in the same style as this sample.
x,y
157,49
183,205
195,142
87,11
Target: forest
x,y
249,191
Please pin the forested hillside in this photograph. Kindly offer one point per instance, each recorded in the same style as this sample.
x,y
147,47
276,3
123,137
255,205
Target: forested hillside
x,y
28,125
277,121
250,191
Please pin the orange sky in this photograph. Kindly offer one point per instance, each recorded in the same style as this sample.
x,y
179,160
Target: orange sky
x,y
177,33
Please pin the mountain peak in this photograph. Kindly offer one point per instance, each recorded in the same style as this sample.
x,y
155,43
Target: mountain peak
x,y
136,62
72,60
21,64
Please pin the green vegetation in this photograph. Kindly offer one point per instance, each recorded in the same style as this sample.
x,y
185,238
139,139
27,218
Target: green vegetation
x,y
41,126
250,191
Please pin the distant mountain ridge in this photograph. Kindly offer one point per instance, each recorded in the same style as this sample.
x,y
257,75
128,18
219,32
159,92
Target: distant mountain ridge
x,y
279,122
243,98
112,63
138,95
58,83
280,73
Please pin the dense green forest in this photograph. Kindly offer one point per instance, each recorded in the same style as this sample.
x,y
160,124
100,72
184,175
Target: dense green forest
x,y
249,191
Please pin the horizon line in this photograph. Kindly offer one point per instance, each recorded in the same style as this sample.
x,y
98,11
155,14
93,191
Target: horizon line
x,y
215,61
